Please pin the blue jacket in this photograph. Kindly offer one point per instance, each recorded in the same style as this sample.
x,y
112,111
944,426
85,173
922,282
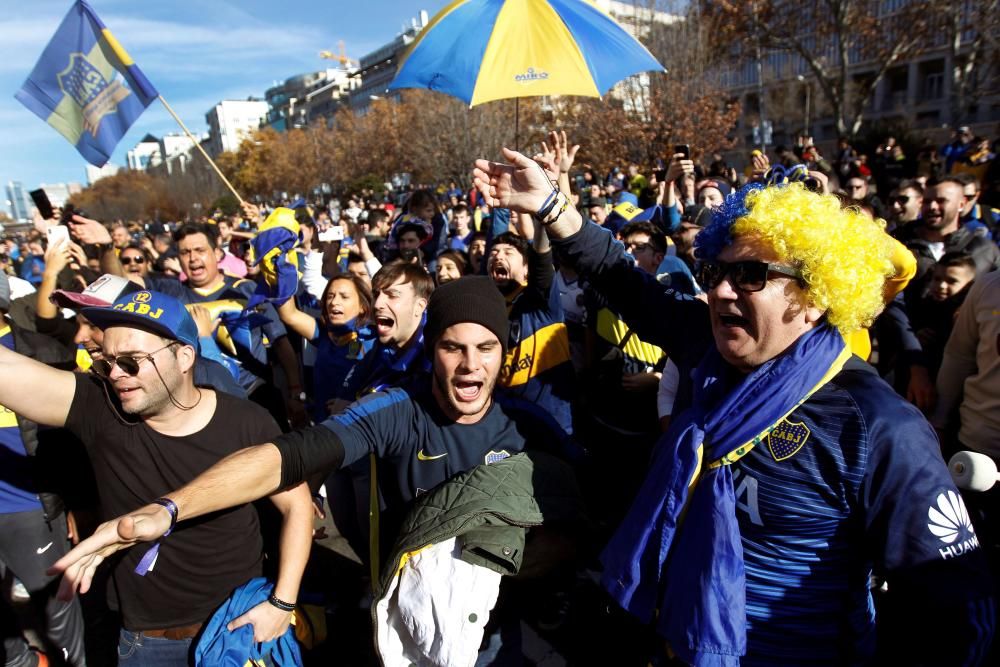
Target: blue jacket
x,y
218,647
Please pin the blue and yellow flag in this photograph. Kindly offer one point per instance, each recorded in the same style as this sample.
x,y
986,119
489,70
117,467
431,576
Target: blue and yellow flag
x,y
274,249
86,86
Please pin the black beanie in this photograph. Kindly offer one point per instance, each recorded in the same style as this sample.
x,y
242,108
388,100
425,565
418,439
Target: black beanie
x,y
468,299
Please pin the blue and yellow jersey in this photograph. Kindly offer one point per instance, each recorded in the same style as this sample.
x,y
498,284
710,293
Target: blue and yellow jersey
x,y
246,343
617,351
538,367
17,485
639,356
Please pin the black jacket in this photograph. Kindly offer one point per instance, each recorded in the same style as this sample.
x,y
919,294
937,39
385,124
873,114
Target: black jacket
x,y
61,467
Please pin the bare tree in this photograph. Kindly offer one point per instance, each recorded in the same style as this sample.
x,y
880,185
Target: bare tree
x,y
848,45
970,29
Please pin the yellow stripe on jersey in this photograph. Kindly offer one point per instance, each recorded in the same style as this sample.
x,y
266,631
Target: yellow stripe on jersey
x,y
613,330
547,348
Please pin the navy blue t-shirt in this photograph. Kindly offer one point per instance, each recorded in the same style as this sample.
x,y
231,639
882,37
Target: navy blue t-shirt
x,y
416,445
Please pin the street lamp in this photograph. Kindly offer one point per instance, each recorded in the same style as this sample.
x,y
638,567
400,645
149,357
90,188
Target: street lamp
x,y
808,87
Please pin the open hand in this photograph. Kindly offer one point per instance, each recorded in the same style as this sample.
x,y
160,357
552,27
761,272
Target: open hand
x,y
203,319
520,184
89,231
565,154
79,565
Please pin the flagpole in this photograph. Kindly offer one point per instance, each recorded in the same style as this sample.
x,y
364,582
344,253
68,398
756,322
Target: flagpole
x,y
197,144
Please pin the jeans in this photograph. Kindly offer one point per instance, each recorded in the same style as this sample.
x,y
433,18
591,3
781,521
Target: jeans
x,y
137,650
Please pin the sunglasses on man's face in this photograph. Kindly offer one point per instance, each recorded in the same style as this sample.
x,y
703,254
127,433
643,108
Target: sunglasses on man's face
x,y
129,364
138,259
748,276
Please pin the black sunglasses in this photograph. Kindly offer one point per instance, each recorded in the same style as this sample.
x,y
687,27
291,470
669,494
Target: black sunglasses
x,y
901,199
138,259
749,276
128,364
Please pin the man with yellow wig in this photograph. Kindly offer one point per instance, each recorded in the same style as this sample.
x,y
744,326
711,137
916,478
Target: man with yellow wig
x,y
795,473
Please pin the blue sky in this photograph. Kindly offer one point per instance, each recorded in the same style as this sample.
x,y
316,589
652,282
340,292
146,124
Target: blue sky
x,y
196,52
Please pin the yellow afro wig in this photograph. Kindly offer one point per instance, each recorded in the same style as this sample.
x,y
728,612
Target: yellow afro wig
x,y
844,255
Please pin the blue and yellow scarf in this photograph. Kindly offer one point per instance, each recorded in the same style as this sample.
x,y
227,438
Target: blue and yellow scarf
x,y
692,571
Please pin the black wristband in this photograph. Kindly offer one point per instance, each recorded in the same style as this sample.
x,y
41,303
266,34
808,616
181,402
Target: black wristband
x,y
280,604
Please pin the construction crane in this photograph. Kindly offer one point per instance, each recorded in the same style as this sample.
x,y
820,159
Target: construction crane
x,y
340,56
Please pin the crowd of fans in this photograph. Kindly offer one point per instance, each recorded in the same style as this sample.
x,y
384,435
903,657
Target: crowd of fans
x,y
599,337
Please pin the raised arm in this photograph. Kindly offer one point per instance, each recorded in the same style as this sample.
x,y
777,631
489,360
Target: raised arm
x,y
523,187
93,232
565,155
57,256
670,320
35,391
296,320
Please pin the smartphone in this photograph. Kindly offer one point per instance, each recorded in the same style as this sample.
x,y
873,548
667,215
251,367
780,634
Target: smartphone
x,y
42,203
335,233
67,214
683,148
57,234
661,175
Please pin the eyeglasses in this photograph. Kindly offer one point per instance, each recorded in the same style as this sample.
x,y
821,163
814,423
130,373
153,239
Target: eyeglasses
x,y
636,247
138,259
749,276
901,200
128,364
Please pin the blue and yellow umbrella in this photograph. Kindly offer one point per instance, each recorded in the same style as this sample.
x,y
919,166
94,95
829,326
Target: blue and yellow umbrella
x,y
485,50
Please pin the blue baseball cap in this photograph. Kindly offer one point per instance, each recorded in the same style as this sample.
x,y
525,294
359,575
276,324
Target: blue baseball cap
x,y
152,311
626,197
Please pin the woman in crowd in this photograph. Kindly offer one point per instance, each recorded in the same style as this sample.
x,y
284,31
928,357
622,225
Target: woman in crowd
x,y
341,334
450,266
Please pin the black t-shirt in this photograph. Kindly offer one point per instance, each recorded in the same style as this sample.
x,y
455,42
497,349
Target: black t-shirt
x,y
203,560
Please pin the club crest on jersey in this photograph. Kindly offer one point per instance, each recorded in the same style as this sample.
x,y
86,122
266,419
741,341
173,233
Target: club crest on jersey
x,y
493,456
787,439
